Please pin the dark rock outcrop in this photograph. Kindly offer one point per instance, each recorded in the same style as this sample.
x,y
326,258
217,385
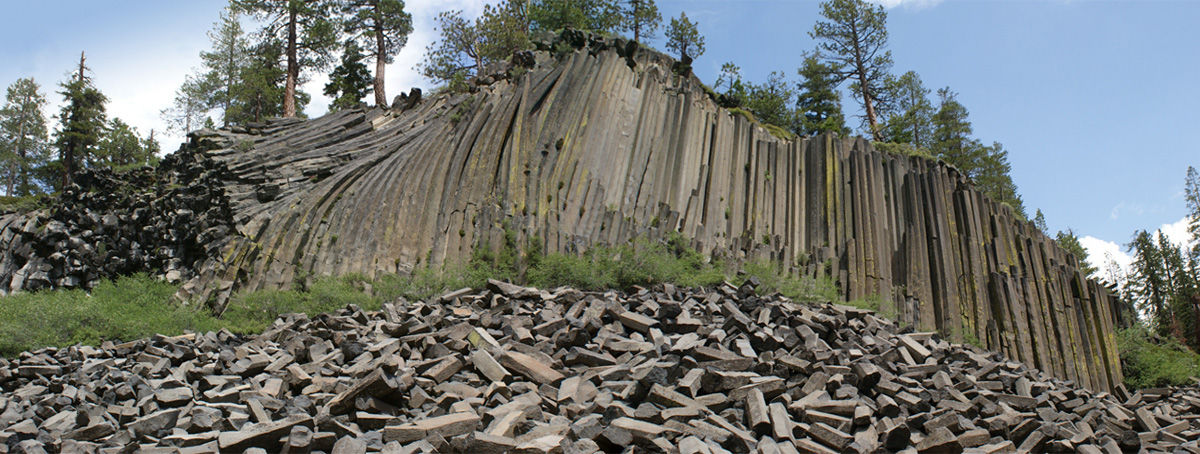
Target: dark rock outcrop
x,y
585,148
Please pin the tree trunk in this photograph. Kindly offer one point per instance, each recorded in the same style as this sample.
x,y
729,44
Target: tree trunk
x,y
380,58
293,68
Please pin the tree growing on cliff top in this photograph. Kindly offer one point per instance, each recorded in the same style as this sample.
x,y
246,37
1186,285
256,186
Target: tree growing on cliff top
x,y
350,82
121,147
217,86
382,27
82,124
909,118
853,43
23,137
641,18
684,38
818,101
466,46
602,16
307,32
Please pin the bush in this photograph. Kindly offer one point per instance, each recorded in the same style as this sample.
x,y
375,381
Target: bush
x,y
1152,362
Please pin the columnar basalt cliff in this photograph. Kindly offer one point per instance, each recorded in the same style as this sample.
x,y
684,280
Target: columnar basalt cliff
x,y
604,143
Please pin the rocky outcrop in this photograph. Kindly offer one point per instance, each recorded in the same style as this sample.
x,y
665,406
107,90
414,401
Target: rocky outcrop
x,y
513,369
590,141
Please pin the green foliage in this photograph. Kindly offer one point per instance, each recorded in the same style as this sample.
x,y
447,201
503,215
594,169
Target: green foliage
x,y
1164,283
81,124
121,147
641,18
776,279
1068,241
602,16
305,30
684,38
645,262
1150,362
909,116
987,166
222,83
24,204
852,42
24,139
466,47
871,303
380,26
902,149
123,310
818,101
350,81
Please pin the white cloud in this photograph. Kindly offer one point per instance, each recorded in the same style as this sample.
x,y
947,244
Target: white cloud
x,y
1102,252
908,4
1126,207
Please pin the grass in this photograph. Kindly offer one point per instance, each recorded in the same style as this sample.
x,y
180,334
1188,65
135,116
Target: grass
x,y
1152,362
775,279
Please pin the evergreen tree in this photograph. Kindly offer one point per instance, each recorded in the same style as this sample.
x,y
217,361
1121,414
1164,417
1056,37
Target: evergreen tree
x,y
1192,197
818,101
910,118
23,137
641,18
189,109
82,123
853,43
382,27
952,135
467,47
1070,242
261,92
306,32
350,82
602,16
772,102
684,38
993,177
1039,221
218,86
121,148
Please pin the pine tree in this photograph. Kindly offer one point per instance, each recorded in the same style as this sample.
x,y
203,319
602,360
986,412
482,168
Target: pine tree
x,y
853,44
382,27
121,148
602,16
772,102
24,138
910,118
82,123
684,38
952,134
1039,221
306,31
467,47
350,82
818,102
218,86
189,109
641,18
261,92
1070,242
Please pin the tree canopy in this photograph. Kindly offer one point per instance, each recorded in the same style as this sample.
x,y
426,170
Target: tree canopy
x,y
382,27
853,42
24,147
683,37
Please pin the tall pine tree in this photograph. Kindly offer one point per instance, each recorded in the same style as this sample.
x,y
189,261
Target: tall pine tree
x,y
382,27
853,43
23,137
82,124
350,82
910,118
818,100
307,32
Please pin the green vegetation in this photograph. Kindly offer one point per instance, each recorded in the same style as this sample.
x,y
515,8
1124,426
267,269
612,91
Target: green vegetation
x,y
139,306
1150,361
775,278
130,308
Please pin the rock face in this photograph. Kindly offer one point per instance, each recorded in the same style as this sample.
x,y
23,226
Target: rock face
x,y
603,142
511,369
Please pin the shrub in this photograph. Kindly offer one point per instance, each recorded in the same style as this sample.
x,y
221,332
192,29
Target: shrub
x,y
798,288
1151,362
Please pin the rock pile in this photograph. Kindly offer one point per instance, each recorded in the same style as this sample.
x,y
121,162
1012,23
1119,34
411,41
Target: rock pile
x,y
513,369
165,221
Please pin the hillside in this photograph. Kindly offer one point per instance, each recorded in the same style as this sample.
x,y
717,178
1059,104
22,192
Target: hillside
x,y
596,144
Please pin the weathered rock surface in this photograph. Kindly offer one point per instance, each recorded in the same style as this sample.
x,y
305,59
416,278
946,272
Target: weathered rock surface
x,y
759,374
596,145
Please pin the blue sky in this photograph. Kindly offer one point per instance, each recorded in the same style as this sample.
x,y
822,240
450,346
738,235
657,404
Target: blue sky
x,y
1092,99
